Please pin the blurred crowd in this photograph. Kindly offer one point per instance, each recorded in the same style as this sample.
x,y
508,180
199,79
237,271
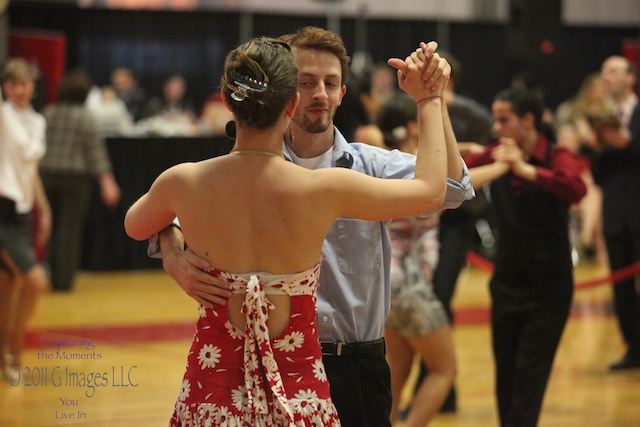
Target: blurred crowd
x,y
125,108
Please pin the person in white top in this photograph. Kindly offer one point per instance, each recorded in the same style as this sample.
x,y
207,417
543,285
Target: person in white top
x,y
22,145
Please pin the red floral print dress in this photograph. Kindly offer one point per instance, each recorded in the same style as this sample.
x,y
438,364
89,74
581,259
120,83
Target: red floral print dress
x,y
235,378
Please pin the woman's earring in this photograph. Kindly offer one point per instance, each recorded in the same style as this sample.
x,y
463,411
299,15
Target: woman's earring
x,y
230,129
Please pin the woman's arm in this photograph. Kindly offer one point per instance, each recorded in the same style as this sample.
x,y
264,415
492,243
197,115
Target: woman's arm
x,y
44,213
153,211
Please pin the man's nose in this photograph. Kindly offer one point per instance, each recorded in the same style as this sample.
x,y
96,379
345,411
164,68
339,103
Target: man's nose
x,y
321,91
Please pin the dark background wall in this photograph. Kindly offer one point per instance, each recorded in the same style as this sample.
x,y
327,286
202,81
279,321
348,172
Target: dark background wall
x,y
156,43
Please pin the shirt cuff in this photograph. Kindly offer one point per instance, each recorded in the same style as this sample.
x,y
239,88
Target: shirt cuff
x,y
457,192
153,247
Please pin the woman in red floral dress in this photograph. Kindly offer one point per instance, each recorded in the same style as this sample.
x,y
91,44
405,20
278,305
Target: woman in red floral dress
x,y
257,361
255,395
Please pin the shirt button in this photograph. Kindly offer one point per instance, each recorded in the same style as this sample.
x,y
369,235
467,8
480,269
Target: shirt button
x,y
325,318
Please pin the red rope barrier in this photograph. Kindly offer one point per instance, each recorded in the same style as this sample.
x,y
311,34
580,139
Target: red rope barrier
x,y
486,265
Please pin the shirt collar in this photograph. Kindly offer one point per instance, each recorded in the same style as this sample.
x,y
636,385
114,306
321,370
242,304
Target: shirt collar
x,y
540,150
626,108
341,157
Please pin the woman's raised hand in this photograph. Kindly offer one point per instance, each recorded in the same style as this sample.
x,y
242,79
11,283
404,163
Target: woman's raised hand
x,y
424,73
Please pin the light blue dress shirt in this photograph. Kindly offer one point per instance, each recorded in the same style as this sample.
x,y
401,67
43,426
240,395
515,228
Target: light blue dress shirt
x,y
353,296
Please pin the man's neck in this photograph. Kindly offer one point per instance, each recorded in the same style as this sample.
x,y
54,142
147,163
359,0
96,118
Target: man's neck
x,y
529,144
622,98
307,145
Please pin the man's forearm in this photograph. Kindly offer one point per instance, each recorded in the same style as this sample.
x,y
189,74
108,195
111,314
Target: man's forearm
x,y
454,160
171,239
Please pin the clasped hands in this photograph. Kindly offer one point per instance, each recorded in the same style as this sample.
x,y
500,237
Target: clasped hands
x,y
511,156
423,74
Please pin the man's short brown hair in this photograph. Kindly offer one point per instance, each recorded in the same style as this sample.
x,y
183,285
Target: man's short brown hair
x,y
316,38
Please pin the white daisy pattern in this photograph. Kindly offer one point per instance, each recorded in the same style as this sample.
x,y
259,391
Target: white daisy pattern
x,y
269,363
239,397
186,389
233,331
318,371
207,414
305,402
307,394
209,356
291,342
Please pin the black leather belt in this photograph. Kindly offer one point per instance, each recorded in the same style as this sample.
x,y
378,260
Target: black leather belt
x,y
369,348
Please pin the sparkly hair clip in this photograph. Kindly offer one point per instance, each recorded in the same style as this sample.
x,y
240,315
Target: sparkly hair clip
x,y
243,86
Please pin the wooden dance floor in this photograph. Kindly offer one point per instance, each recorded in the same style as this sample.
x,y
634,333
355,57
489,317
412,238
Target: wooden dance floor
x,y
112,354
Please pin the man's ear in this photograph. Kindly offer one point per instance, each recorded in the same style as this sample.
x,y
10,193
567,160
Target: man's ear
x,y
343,90
529,119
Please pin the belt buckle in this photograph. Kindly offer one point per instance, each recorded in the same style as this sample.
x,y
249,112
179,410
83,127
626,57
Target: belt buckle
x,y
337,346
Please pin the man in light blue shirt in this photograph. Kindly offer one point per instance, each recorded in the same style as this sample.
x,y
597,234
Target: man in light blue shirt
x,y
356,254
353,296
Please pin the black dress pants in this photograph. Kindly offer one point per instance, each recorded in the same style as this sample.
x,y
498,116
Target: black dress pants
x,y
624,250
69,197
360,389
526,333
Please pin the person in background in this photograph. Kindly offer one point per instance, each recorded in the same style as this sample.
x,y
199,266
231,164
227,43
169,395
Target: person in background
x,y
353,296
271,216
22,145
172,101
172,113
76,156
579,121
352,116
382,84
417,323
616,168
533,182
126,86
372,91
110,111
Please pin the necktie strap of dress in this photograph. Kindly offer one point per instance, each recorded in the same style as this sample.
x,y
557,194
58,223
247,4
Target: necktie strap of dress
x,y
259,361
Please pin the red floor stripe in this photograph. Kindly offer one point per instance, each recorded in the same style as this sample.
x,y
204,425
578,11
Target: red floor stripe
x,y
126,334
121,334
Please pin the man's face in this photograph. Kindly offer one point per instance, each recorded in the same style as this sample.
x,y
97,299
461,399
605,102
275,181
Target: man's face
x,y
122,81
19,90
320,87
615,76
174,89
506,123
